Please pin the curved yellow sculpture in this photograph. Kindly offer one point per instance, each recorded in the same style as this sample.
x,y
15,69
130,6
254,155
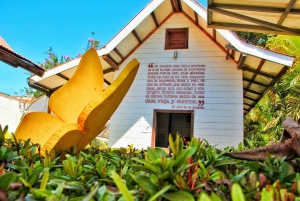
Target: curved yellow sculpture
x,y
81,107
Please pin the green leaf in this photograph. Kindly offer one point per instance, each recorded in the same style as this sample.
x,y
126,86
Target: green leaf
x,y
7,179
44,179
172,145
160,192
101,192
284,171
155,153
237,193
204,197
214,197
254,166
25,182
74,185
217,176
121,186
238,177
59,189
267,195
179,195
2,132
91,194
40,193
182,158
147,165
145,183
225,162
34,175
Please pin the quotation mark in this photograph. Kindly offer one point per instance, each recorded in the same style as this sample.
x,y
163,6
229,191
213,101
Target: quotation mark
x,y
150,65
201,103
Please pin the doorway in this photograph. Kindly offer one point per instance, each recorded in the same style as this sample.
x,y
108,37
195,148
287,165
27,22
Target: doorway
x,y
171,121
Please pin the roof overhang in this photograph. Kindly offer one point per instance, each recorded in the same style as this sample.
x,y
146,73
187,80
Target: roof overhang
x,y
261,68
272,16
13,59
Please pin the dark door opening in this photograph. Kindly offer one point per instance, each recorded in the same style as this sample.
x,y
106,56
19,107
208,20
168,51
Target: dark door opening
x,y
171,121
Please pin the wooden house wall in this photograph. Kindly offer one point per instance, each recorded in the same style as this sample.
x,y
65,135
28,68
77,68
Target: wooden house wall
x,y
220,120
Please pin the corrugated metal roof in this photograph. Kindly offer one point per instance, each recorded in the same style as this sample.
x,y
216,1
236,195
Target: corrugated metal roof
x,y
261,68
268,16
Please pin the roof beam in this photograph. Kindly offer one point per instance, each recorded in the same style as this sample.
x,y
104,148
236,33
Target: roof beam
x,y
214,34
286,12
255,82
209,15
241,61
254,8
261,63
196,18
154,19
108,70
248,104
254,92
107,82
118,53
41,88
256,21
227,54
228,46
233,26
252,99
246,68
110,61
246,109
63,76
176,5
136,36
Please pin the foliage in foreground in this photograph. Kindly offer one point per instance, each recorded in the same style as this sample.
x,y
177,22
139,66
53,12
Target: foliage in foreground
x,y
190,171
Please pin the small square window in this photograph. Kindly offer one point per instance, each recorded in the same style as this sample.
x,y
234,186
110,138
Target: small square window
x,y
176,39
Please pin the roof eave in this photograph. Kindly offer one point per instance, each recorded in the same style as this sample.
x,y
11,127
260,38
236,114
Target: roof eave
x,y
16,60
146,11
241,45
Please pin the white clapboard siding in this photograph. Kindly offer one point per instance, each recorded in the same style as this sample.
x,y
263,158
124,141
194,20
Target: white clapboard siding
x,y
11,111
221,120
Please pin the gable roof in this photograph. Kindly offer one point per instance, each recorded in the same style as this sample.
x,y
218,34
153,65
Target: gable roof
x,y
261,68
272,16
7,55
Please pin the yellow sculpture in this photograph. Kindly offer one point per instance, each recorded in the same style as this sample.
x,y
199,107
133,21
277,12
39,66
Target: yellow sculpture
x,y
81,107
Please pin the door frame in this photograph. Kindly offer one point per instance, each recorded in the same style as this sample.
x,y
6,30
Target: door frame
x,y
154,125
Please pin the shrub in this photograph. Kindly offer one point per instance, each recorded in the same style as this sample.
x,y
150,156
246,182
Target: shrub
x,y
193,170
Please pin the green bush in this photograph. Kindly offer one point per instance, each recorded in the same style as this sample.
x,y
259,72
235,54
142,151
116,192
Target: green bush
x,y
192,171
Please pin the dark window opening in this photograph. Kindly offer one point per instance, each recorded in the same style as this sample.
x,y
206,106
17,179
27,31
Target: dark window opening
x,y
176,39
171,122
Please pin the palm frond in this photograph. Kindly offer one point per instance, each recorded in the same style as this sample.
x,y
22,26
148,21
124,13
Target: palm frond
x,y
273,123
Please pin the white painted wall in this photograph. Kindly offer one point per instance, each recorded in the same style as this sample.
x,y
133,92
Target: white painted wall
x,y
221,120
11,111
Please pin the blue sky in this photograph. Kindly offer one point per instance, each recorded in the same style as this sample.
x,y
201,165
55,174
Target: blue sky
x,y
30,27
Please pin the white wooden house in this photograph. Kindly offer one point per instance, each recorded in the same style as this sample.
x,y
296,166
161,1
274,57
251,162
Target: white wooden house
x,y
194,80
12,108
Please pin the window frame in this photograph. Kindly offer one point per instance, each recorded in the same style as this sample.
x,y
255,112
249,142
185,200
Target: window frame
x,y
184,44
